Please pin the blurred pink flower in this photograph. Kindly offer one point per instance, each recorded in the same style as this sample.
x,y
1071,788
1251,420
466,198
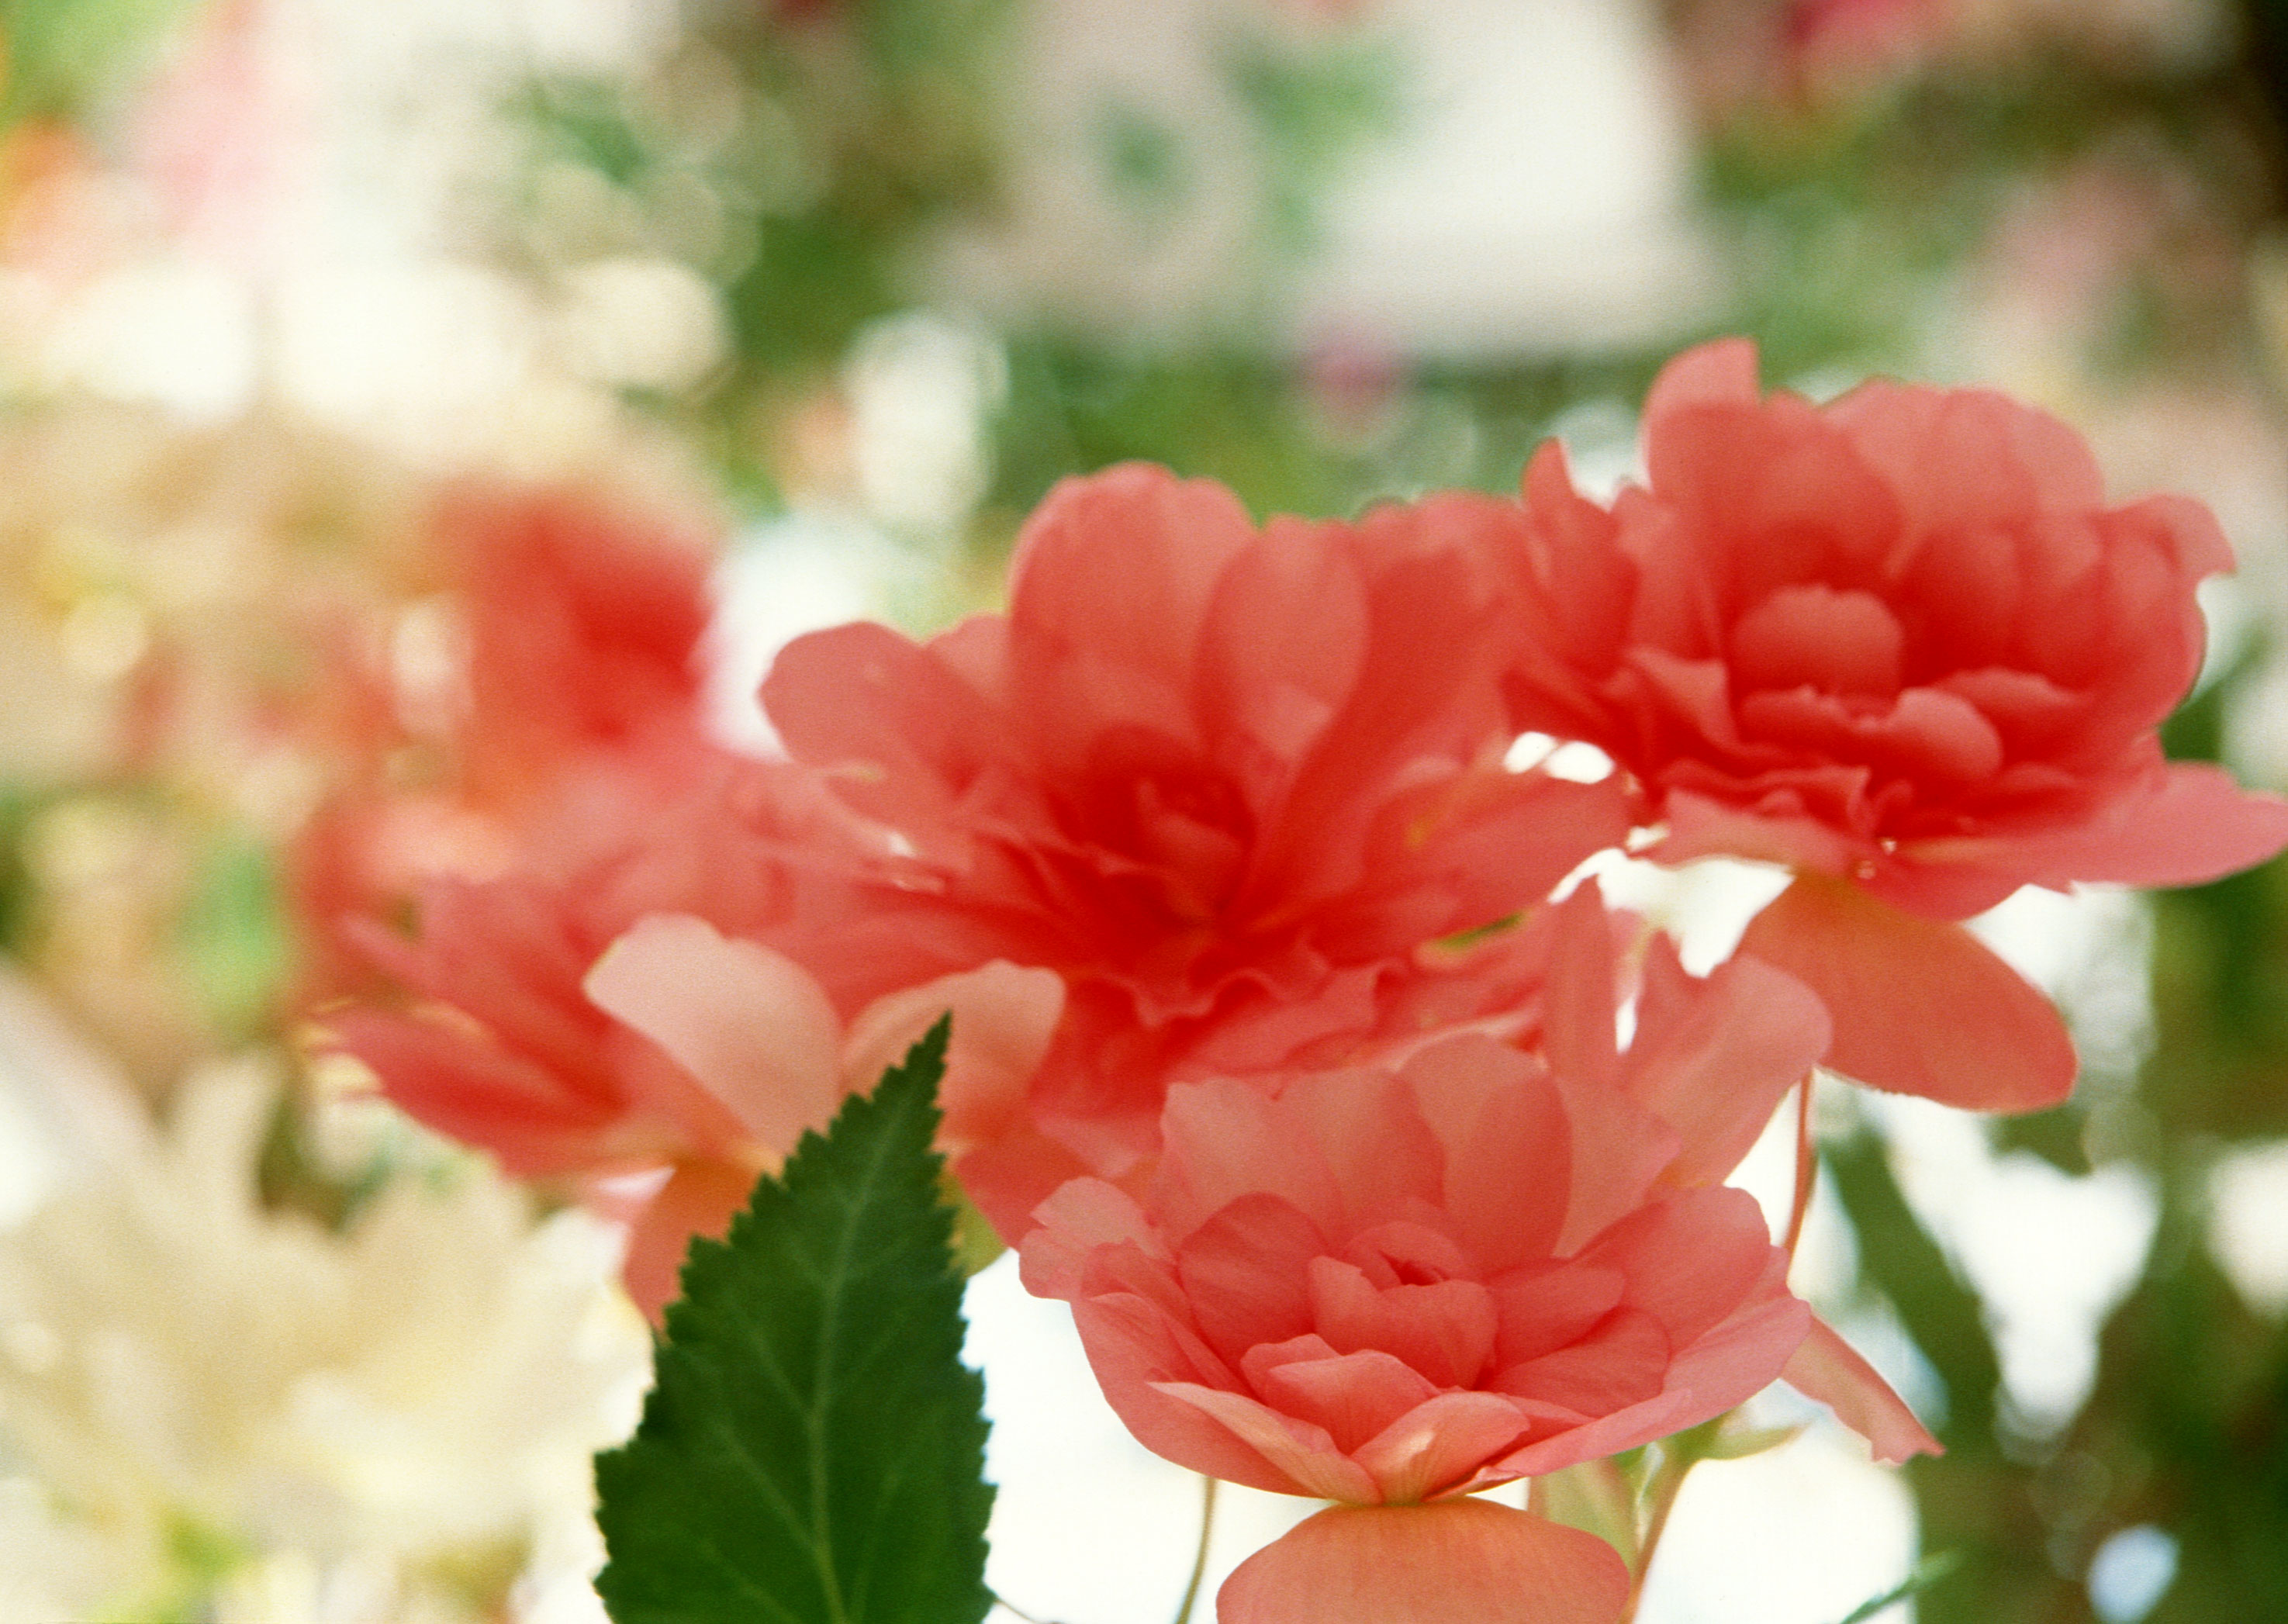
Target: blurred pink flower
x,y
1899,644
551,712
1223,781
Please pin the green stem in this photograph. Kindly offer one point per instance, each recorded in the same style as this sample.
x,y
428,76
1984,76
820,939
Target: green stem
x,y
1660,1499
1199,1557
1006,1605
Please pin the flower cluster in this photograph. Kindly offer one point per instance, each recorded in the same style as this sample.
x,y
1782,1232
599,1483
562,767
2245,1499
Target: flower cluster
x,y
1280,1046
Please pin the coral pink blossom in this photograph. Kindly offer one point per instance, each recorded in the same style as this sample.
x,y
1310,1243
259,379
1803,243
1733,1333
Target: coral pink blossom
x,y
549,704
1899,644
1221,780
1365,1285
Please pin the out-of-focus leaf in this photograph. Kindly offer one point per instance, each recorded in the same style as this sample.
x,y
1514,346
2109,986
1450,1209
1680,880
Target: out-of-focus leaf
x,y
1927,1573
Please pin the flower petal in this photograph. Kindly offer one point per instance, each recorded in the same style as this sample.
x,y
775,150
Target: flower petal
x,y
1919,1007
750,1023
1455,1562
1829,1369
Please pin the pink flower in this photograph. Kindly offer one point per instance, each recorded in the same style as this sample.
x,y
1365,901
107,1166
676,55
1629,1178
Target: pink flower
x,y
1899,644
1221,780
1392,1287
563,713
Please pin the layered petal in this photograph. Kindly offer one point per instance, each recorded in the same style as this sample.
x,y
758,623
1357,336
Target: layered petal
x,y
1454,1562
1919,1007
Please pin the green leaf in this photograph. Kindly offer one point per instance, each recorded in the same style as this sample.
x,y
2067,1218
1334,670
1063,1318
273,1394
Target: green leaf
x,y
812,1450
1927,1573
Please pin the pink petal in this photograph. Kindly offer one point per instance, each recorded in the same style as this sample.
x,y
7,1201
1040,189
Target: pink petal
x,y
903,735
1125,562
1814,636
1919,1007
1302,1454
1455,1562
1439,1444
1713,1058
1286,633
1829,1369
1722,373
1354,1396
1003,1019
1245,1272
1692,1260
2190,826
749,1024
1623,1362
1554,1308
1082,1216
700,1198
1445,1330
1493,1111
1701,826
1151,1378
1224,1140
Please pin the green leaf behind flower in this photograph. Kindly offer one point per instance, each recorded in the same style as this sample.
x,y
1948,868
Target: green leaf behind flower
x,y
812,1450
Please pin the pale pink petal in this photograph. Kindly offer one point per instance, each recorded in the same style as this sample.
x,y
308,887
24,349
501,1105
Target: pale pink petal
x,y
748,1023
1439,1444
1300,1451
1919,1007
1713,1059
1354,1396
1082,1216
1003,1019
1148,1372
1829,1369
1454,1562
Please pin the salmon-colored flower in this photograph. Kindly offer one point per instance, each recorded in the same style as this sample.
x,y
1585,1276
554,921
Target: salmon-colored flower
x,y
1899,644
1219,779
1391,1287
544,703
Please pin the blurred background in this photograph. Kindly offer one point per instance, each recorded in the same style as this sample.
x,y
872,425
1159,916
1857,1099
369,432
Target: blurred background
x,y
312,311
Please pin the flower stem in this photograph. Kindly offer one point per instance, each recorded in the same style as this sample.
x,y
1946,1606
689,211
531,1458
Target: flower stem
x,y
1806,1163
1200,1557
1008,1606
1660,1499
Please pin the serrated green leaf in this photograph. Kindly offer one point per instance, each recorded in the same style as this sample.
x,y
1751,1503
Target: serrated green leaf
x,y
812,1450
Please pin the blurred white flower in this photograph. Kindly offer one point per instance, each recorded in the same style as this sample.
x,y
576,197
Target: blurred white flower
x,y
383,1421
